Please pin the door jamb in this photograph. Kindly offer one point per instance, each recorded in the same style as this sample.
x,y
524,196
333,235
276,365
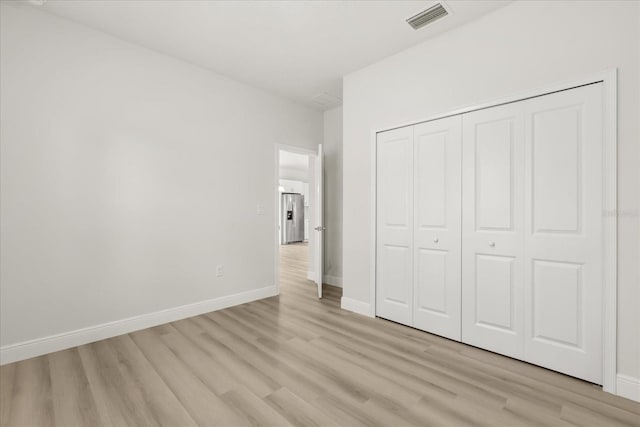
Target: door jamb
x,y
609,79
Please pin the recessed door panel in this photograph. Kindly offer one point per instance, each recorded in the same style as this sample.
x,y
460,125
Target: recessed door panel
x,y
432,281
431,156
492,229
563,232
494,284
396,272
394,246
437,224
494,174
394,183
557,303
556,147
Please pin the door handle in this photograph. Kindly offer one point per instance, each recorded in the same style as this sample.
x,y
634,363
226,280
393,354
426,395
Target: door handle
x,y
436,240
492,244
320,228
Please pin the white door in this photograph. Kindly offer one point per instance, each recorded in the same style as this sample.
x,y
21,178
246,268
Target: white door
x,y
320,227
492,229
394,200
437,225
563,232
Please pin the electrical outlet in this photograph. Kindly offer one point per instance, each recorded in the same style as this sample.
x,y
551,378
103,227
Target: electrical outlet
x,y
260,210
219,270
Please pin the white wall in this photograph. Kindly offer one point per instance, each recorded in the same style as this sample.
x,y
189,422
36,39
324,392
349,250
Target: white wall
x,y
519,47
333,196
127,176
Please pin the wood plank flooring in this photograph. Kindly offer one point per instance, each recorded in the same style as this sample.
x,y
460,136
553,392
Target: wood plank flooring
x,y
294,360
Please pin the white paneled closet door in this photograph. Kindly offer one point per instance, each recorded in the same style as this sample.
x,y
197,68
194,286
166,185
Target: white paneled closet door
x,y
563,232
492,229
489,229
437,226
394,247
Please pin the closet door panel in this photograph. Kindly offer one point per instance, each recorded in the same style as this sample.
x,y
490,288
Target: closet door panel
x,y
563,232
493,166
394,247
494,289
437,225
431,286
492,229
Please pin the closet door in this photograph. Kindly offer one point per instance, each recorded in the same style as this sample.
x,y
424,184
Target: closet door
x,y
394,249
492,229
563,232
437,225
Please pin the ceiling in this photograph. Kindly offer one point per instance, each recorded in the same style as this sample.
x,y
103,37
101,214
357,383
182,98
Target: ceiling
x,y
295,49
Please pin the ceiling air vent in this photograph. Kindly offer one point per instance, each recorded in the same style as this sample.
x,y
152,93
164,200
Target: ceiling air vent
x,y
428,16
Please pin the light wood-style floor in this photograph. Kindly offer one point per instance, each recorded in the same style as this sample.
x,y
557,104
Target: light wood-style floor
x,y
294,360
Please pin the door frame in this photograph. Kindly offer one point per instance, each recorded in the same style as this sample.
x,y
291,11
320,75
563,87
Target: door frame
x,y
609,79
276,194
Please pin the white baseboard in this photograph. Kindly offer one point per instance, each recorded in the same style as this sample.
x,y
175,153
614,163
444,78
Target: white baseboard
x,y
40,346
356,306
311,276
628,387
332,280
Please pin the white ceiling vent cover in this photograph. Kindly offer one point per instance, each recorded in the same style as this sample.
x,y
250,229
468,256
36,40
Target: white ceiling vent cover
x,y
428,16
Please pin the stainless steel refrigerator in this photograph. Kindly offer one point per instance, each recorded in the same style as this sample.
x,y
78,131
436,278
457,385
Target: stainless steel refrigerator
x,y
292,221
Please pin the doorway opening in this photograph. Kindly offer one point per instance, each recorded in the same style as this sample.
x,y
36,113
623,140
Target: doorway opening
x,y
299,219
